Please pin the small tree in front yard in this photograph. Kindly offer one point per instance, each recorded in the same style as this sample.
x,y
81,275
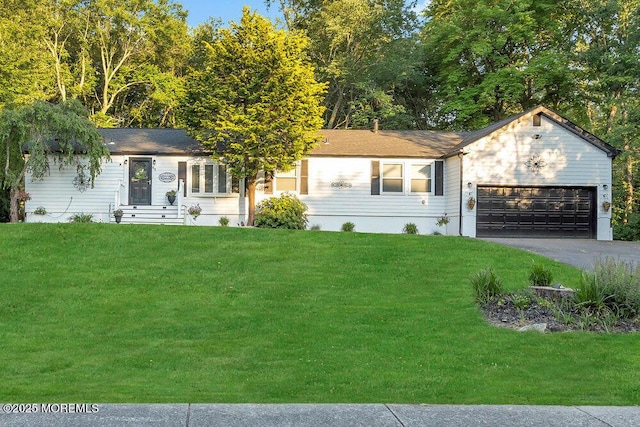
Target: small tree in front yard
x,y
61,132
254,101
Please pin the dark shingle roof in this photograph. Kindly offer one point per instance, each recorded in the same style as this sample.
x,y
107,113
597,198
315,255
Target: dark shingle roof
x,y
149,141
344,143
365,143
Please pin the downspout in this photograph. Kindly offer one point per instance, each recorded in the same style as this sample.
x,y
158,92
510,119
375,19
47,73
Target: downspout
x,y
461,157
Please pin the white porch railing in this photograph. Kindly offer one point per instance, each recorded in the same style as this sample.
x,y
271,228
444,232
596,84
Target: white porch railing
x,y
179,198
118,195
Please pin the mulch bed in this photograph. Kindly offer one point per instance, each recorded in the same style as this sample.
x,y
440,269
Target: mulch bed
x,y
503,312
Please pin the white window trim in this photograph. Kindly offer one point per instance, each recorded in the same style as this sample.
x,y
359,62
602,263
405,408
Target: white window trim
x,y
297,170
407,166
202,193
430,179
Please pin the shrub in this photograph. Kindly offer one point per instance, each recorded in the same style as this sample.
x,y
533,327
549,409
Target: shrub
x,y
486,285
348,226
410,228
613,286
223,221
286,211
81,217
40,210
629,230
540,275
315,227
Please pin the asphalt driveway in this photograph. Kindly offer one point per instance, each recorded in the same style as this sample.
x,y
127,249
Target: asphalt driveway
x,y
580,253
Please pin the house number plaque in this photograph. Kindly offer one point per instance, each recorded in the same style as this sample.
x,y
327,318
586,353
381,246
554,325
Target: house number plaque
x,y
167,177
341,185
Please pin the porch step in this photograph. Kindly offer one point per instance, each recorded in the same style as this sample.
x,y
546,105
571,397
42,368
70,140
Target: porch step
x,y
167,215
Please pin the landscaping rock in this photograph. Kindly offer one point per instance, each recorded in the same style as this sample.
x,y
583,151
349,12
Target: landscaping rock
x,y
540,327
504,313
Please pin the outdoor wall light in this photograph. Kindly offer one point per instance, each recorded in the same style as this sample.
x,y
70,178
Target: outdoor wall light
x,y
154,164
469,184
605,186
126,161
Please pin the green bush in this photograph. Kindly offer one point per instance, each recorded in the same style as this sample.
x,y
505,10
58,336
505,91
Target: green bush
x,y
286,211
486,285
410,228
612,286
81,217
630,230
223,221
348,226
540,275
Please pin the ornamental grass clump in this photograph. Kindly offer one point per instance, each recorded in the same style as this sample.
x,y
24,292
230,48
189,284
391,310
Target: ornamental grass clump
x,y
611,286
540,275
410,228
486,286
81,218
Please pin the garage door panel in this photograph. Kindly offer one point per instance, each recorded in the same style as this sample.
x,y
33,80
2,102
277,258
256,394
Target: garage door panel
x,y
536,212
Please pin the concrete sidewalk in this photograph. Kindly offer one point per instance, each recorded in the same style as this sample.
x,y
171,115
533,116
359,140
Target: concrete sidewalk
x,y
340,415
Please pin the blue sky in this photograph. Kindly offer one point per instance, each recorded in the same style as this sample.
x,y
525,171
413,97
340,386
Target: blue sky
x,y
231,10
227,10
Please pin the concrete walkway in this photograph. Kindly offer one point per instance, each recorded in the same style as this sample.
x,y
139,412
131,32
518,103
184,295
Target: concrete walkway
x,y
580,253
303,415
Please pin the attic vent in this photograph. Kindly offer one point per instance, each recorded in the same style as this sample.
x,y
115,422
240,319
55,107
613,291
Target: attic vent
x,y
537,120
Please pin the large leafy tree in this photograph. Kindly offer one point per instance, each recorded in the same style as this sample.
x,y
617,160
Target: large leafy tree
x,y
255,102
24,63
365,50
494,58
607,64
51,132
123,59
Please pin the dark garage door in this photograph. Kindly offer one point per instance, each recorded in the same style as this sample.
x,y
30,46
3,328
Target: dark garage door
x,y
536,212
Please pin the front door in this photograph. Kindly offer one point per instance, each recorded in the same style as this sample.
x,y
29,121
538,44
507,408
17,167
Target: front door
x,y
139,181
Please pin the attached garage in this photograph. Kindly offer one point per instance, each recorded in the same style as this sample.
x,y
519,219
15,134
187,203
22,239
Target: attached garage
x,y
535,175
568,212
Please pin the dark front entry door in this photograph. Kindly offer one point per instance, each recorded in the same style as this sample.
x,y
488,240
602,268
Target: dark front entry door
x,y
139,181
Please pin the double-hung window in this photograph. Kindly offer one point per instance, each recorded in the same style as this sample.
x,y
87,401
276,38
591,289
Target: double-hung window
x,y
407,177
421,178
294,180
392,178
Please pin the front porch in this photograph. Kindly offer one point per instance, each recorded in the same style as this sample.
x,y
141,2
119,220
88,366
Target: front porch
x,y
147,214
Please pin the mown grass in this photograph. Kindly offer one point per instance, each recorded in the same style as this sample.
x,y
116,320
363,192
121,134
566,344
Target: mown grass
x,y
106,313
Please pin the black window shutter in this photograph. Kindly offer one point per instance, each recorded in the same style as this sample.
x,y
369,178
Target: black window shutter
x,y
268,183
375,177
439,178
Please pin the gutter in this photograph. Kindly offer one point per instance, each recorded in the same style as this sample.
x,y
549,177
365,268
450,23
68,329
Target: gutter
x,y
461,157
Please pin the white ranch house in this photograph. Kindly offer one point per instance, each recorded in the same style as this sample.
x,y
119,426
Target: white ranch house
x,y
532,175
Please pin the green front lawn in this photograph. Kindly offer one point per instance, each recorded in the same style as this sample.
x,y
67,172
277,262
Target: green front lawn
x,y
106,313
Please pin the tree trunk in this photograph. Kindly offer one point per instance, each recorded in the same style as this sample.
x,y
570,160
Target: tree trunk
x,y
251,192
630,202
14,205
